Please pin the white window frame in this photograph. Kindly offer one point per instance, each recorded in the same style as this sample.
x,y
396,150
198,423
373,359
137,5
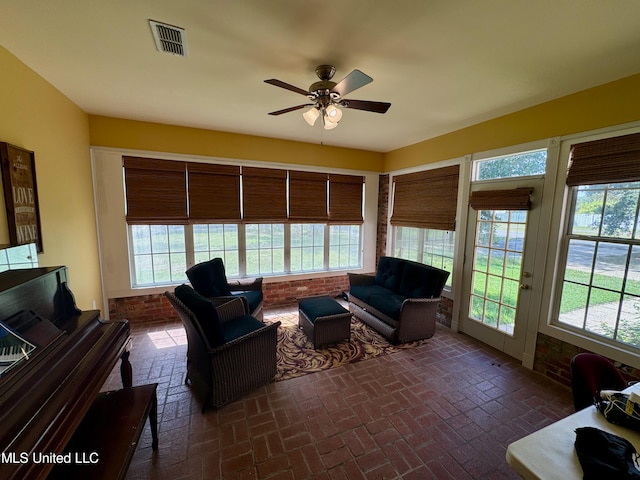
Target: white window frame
x,y
132,258
242,257
350,245
223,252
303,246
597,239
558,225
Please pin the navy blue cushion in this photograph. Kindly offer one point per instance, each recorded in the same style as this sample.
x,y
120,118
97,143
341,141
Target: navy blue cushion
x,y
364,292
240,326
388,304
254,298
422,281
209,278
320,307
205,313
389,272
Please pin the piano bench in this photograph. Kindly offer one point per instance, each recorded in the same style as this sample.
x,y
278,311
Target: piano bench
x,y
104,443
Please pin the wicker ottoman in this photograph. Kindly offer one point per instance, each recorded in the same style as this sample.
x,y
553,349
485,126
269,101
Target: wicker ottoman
x,y
323,320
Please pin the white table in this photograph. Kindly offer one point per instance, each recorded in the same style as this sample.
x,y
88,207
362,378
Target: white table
x,y
550,454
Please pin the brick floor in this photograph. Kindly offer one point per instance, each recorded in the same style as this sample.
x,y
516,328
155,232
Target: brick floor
x,y
444,410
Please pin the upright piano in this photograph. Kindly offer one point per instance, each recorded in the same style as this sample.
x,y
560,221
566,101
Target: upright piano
x,y
50,380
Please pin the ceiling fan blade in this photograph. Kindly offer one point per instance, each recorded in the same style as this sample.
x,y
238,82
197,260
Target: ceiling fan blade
x,y
281,84
291,109
351,82
377,107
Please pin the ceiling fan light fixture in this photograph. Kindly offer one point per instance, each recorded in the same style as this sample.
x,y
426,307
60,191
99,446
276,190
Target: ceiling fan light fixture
x,y
334,113
328,124
311,115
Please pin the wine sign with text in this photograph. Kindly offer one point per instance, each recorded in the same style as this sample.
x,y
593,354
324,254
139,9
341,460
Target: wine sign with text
x,y
21,195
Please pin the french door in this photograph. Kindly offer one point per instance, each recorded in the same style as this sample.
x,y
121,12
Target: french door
x,y
499,263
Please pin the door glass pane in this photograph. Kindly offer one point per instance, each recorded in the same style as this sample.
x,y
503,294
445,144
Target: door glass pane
x,y
497,268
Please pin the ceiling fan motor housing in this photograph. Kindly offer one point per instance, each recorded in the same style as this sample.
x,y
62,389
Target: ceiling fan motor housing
x,y
325,86
325,72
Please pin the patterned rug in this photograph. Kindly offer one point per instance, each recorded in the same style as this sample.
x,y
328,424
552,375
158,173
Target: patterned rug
x,y
296,356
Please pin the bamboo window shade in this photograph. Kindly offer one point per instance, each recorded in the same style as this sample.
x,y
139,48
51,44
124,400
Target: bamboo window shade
x,y
513,199
609,160
308,197
156,190
264,194
345,198
214,192
426,199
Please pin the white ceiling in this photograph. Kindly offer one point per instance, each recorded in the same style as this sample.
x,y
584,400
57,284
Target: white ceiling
x,y
443,64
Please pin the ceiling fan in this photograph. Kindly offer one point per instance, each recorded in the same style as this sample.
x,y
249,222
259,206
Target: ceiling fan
x,y
326,96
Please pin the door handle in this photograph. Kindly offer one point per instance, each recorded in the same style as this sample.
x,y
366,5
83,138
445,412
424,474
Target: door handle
x,y
524,286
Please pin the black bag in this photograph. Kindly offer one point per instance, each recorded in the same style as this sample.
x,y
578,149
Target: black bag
x,y
615,409
604,455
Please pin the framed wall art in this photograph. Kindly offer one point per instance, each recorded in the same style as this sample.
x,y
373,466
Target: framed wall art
x,y
21,195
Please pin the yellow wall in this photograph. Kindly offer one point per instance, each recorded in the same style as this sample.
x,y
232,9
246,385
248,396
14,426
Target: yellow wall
x,y
38,117
135,135
610,104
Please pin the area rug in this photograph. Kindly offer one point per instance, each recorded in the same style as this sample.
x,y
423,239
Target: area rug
x,y
297,357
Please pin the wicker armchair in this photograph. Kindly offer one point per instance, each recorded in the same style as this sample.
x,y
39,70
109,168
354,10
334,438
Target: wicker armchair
x,y
226,372
210,280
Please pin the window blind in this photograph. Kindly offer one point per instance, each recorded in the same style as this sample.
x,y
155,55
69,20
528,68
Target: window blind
x,y
307,196
214,192
609,160
264,194
345,198
513,199
426,199
156,190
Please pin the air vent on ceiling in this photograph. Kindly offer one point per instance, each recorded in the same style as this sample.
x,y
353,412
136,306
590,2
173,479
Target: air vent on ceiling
x,y
169,39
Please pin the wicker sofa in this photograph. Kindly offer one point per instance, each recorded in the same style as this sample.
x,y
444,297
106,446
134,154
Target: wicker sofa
x,y
229,352
400,301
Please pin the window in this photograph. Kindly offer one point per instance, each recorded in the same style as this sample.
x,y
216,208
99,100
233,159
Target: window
x,y
22,256
260,221
437,250
408,242
601,281
217,240
159,254
424,216
600,288
429,246
344,246
264,249
510,166
307,247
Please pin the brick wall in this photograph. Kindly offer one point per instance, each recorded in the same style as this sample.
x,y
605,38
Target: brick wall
x,y
282,293
553,358
383,216
141,309
155,308
445,312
